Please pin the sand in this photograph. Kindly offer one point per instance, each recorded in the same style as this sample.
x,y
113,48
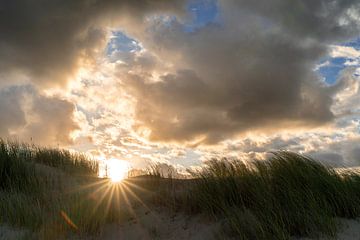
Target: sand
x,y
161,224
11,233
350,230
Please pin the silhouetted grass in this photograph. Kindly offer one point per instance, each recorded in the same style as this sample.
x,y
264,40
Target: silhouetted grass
x,y
16,172
40,188
287,195
44,189
74,163
14,154
154,170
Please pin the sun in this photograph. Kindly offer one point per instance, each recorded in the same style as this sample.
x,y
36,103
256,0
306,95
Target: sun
x,y
117,170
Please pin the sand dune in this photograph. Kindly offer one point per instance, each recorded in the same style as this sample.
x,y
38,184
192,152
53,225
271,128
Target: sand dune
x,y
161,224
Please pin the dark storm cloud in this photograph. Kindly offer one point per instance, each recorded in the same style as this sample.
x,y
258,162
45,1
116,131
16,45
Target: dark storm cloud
x,y
252,71
48,40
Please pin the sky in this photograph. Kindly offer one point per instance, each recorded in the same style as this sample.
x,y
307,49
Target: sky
x,y
181,82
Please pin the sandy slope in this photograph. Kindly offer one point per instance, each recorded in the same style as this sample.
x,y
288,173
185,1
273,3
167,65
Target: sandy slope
x,y
10,233
350,230
161,224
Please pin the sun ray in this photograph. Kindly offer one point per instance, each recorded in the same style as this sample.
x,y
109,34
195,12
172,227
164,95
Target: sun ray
x,y
88,186
102,197
135,196
110,199
136,186
132,211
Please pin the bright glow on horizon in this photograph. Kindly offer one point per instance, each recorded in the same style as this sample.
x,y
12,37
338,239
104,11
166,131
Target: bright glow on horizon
x,y
117,169
114,169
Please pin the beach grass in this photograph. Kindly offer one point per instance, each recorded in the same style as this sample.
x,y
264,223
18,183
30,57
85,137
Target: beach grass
x,y
287,195
42,189
55,192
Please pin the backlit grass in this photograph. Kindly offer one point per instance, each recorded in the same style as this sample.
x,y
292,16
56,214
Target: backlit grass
x,y
56,193
42,188
287,195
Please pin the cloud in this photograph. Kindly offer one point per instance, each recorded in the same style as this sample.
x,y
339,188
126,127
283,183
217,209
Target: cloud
x,y
49,41
339,154
322,20
26,114
344,52
43,45
251,71
12,115
52,120
329,158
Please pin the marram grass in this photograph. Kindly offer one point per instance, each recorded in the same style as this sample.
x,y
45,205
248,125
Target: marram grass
x,y
39,187
290,194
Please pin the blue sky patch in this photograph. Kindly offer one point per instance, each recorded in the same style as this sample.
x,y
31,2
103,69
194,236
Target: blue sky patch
x,y
203,12
120,42
330,72
355,43
331,67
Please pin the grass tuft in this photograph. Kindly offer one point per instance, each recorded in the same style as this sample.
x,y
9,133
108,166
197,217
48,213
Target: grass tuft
x,y
56,193
38,184
288,195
